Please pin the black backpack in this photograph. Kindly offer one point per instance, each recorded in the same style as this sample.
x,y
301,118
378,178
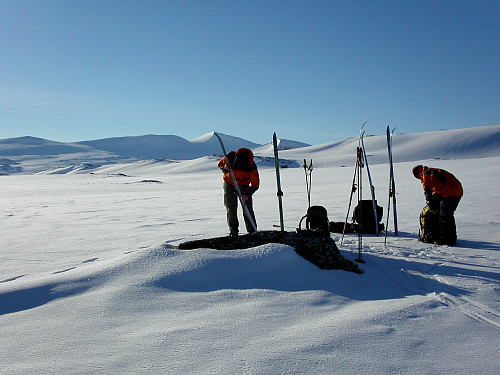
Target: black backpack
x,y
316,220
363,215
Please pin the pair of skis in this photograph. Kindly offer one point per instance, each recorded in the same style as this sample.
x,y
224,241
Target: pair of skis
x,y
392,187
372,188
278,181
238,191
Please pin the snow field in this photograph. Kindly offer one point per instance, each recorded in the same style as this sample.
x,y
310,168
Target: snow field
x,y
91,281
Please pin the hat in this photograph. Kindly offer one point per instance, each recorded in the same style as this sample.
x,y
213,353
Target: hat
x,y
417,170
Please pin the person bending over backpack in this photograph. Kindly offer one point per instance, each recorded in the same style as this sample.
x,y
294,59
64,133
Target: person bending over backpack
x,y
443,192
247,176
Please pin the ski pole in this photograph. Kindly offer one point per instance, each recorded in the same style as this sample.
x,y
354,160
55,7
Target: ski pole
x,y
308,180
353,190
360,199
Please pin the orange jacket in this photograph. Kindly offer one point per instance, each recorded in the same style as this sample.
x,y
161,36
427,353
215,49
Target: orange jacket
x,y
439,181
246,173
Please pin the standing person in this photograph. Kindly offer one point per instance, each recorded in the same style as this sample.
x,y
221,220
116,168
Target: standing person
x,y
443,192
247,176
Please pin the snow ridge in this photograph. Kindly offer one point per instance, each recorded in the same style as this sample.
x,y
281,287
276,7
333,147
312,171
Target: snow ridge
x,y
34,155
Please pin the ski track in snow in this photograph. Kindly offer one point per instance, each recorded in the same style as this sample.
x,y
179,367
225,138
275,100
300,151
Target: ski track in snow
x,y
472,309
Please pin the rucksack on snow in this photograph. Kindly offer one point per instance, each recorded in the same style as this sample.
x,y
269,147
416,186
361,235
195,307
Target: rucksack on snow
x,y
316,220
364,216
429,225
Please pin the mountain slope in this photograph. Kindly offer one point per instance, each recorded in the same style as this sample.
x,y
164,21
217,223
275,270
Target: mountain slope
x,y
283,144
167,146
476,142
23,146
144,147
31,155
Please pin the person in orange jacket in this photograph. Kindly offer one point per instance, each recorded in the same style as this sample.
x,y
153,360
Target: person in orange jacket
x,y
443,192
247,176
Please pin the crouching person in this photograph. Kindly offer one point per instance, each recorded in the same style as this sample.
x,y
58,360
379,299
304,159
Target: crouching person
x,y
443,192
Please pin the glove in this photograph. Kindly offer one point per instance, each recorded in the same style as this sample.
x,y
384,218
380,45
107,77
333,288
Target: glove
x,y
248,191
434,201
244,198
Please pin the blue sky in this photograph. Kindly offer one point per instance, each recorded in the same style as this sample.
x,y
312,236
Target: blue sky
x,y
312,71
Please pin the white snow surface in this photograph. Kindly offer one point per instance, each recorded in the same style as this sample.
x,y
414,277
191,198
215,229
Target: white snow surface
x,y
92,282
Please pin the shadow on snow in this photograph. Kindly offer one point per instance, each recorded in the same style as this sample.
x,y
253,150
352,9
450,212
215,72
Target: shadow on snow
x,y
25,299
383,278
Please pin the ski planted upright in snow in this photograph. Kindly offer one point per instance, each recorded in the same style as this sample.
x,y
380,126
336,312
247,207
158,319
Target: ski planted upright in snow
x,y
278,181
392,186
372,189
236,186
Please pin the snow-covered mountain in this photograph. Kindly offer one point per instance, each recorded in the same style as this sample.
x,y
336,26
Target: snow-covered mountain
x,y
32,155
167,146
138,147
178,155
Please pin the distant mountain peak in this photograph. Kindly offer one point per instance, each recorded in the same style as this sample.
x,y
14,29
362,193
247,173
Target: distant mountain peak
x,y
27,140
203,138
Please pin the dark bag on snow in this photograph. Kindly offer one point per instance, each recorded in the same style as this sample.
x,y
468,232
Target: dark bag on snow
x,y
429,225
316,220
363,215
341,227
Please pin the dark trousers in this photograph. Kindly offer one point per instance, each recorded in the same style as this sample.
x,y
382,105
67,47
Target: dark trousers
x,y
447,207
231,203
